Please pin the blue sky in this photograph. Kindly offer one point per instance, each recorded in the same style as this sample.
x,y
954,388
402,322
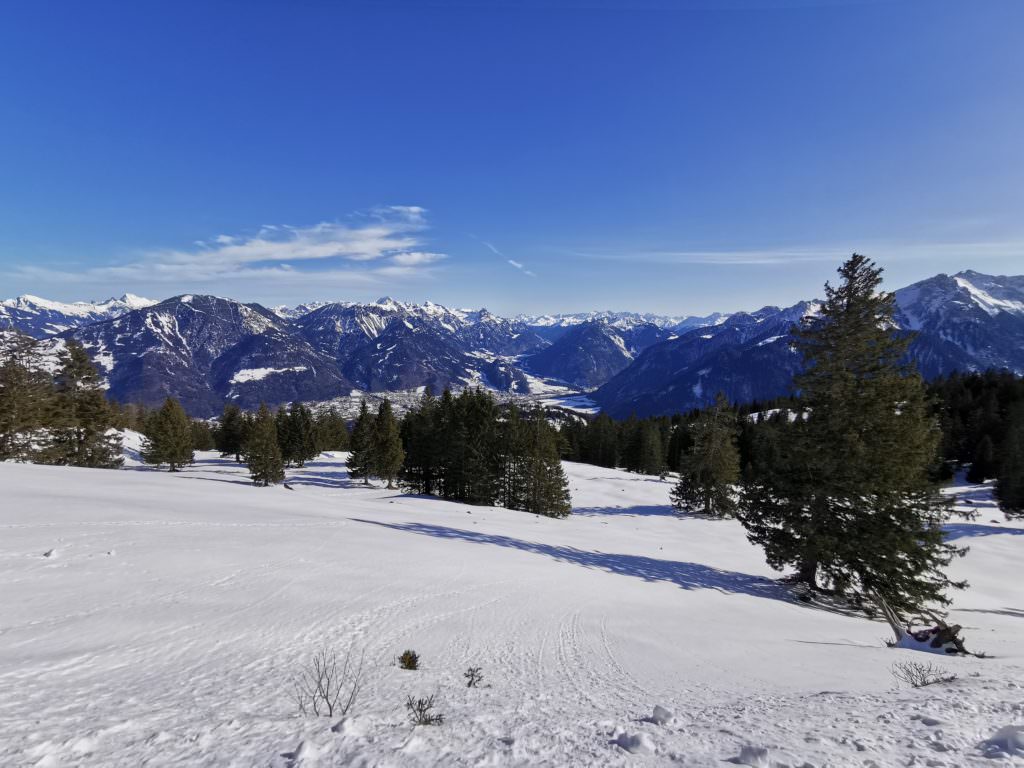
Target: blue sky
x,y
676,157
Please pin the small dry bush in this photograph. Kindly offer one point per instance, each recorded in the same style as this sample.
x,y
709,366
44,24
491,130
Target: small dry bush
x,y
918,675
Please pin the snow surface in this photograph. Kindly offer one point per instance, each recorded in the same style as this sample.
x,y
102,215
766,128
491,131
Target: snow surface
x,y
257,374
172,610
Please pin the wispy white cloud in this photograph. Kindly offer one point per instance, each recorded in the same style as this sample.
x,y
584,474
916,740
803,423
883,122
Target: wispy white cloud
x,y
382,243
494,249
879,250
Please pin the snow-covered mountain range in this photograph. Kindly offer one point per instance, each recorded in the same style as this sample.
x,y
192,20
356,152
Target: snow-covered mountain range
x,y
207,350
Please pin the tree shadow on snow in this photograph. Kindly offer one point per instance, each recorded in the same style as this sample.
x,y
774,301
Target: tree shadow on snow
x,y
966,530
652,510
683,574
1016,613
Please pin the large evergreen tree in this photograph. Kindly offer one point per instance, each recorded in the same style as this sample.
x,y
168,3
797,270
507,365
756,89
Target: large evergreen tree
x,y
851,503
1010,481
360,459
230,434
710,470
330,433
386,452
168,437
262,451
421,441
26,394
81,432
546,488
296,436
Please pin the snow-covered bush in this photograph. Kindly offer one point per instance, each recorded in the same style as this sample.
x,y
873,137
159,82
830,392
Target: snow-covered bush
x,y
473,675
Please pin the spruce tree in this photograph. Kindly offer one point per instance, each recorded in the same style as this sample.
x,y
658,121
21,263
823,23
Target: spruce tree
x,y
360,459
851,504
386,452
421,442
1010,481
26,394
330,432
82,422
301,437
546,486
710,470
230,434
263,454
984,464
202,436
168,437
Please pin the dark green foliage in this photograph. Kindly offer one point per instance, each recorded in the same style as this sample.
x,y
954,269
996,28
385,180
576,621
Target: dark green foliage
x,y
202,436
983,465
1010,480
409,660
386,454
296,435
330,431
262,451
467,448
26,395
360,460
81,417
421,439
600,442
849,500
168,437
710,469
231,432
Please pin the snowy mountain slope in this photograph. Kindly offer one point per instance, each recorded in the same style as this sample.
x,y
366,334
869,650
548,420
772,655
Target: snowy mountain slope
x,y
204,350
747,356
644,363
968,321
152,618
42,318
588,354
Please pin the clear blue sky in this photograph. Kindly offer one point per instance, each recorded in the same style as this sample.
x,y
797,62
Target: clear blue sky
x,y
677,157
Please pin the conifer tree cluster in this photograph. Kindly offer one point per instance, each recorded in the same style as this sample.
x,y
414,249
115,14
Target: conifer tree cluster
x,y
168,434
59,418
466,448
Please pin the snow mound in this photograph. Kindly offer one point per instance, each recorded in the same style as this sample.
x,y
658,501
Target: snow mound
x,y
635,743
1007,741
661,715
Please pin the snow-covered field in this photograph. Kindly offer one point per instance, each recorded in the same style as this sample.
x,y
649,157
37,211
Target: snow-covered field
x,y
156,619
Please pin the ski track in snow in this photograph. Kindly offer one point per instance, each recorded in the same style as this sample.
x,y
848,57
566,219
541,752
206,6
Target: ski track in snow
x,y
170,611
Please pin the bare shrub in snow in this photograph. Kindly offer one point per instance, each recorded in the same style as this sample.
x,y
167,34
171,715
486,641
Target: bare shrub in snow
x,y
325,687
421,711
409,660
918,675
474,676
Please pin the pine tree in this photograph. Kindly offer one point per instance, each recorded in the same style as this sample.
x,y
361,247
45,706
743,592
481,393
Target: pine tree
x,y
601,442
984,464
168,437
26,394
711,469
1010,481
360,460
82,422
300,441
851,503
546,486
286,441
230,433
330,432
420,440
386,454
263,454
202,436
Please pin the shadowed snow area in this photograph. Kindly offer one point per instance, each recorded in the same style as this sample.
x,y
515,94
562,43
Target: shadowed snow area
x,y
149,618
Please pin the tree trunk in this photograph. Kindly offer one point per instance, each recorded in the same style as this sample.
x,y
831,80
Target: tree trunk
x,y
808,573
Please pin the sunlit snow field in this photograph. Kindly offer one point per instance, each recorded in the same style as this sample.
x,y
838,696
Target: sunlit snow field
x,y
149,618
